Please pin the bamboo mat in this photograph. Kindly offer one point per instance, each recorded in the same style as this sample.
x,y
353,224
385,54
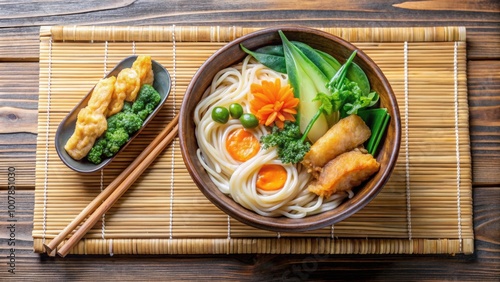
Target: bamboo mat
x,y
426,207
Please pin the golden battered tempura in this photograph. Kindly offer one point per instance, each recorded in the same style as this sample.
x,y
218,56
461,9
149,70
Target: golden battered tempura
x,y
347,134
91,122
127,86
345,172
101,95
143,66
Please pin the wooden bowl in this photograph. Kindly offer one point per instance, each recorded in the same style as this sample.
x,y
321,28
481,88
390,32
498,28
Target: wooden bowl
x,y
162,84
232,54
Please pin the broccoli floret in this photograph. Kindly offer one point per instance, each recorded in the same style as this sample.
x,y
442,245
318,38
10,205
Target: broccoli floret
x,y
147,100
150,107
129,121
95,154
132,123
114,121
143,114
137,106
120,127
115,139
127,107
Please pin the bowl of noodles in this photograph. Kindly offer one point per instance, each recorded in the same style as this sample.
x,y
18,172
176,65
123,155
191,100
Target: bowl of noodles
x,y
271,144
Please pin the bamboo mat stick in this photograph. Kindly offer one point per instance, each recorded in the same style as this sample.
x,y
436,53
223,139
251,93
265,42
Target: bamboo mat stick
x,y
148,34
114,191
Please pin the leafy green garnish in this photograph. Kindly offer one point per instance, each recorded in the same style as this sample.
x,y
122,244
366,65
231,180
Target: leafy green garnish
x,y
349,99
288,142
334,101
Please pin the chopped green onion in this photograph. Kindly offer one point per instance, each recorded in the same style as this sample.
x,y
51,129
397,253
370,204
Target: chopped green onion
x,y
377,120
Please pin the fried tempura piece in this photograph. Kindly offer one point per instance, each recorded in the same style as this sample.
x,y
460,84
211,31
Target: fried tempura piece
x,y
347,134
88,128
101,95
127,86
91,122
346,171
144,67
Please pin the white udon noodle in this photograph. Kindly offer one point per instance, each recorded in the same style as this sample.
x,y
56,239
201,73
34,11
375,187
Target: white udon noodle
x,y
236,179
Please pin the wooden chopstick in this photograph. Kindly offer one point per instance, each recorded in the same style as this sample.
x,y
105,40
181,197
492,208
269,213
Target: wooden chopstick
x,y
105,200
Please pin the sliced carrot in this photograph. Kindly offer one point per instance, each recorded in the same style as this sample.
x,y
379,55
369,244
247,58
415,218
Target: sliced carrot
x,y
242,145
271,177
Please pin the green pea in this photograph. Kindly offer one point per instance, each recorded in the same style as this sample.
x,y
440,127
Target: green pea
x,y
220,115
236,110
249,120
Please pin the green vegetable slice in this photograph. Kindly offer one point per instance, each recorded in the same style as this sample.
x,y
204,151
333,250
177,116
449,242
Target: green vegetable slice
x,y
307,81
377,120
326,68
355,73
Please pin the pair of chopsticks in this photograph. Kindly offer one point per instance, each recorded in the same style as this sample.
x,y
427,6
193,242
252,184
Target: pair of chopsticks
x,y
109,196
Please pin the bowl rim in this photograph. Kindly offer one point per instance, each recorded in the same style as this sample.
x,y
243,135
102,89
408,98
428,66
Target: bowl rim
x,y
283,224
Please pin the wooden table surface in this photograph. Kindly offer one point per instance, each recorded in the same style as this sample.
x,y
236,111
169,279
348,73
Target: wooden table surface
x,y
19,56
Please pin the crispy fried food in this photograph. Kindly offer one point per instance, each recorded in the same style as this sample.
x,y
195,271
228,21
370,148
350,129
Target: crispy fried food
x,y
91,122
346,171
101,95
345,135
127,86
143,66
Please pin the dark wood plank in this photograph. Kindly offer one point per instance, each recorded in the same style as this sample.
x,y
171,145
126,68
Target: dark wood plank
x,y
483,43
487,223
484,104
19,120
18,89
20,21
19,44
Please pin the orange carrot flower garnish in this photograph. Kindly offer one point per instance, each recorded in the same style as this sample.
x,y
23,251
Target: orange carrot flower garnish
x,y
272,103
